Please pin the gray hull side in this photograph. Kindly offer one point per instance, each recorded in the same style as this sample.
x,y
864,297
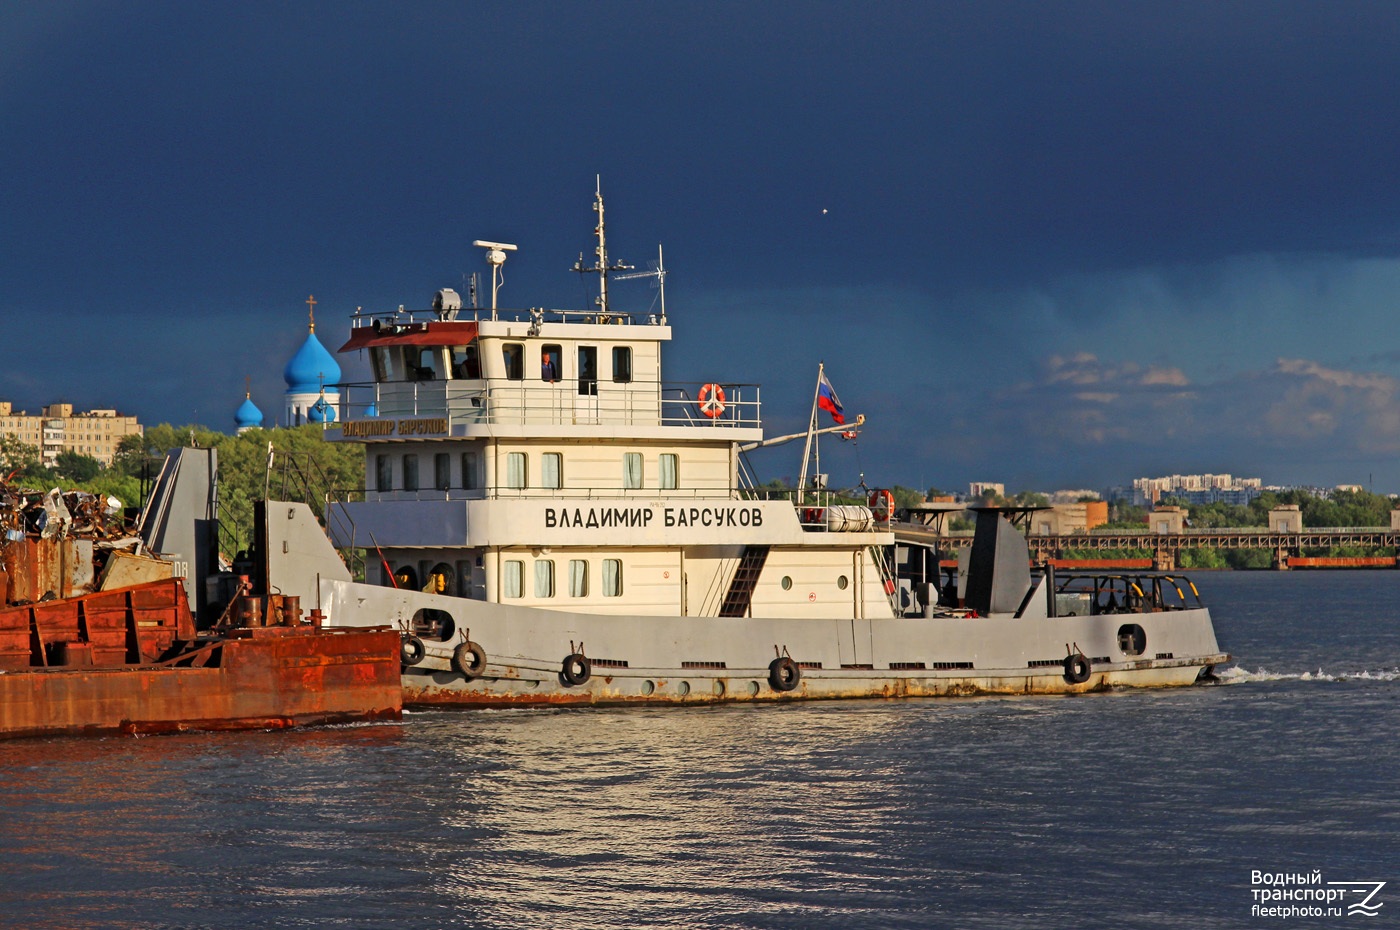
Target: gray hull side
x,y
698,659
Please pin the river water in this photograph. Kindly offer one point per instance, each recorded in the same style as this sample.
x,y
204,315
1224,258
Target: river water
x,y
1127,809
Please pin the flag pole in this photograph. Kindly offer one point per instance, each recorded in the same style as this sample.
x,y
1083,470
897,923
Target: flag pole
x,y
811,434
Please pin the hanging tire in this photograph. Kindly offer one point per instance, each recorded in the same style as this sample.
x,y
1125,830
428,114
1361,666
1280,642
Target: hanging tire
x,y
1077,669
411,650
576,669
783,674
469,660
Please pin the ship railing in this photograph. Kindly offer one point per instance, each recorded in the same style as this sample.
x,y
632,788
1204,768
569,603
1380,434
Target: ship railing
x,y
403,317
564,494
565,402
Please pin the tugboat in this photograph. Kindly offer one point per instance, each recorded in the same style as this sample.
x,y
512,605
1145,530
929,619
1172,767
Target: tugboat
x,y
548,521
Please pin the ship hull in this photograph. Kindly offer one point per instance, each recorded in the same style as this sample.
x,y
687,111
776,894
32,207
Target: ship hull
x,y
692,660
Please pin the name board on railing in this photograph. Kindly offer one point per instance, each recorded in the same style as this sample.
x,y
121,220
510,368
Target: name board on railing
x,y
432,426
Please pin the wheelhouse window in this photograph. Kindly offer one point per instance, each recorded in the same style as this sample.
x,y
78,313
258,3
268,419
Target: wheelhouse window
x,y
469,470
516,464
442,471
552,470
632,469
513,354
544,578
612,578
410,472
466,362
383,473
551,363
588,370
388,363
622,364
513,578
669,467
578,578
423,363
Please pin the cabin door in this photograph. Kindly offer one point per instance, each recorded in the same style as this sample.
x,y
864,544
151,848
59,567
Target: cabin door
x,y
586,404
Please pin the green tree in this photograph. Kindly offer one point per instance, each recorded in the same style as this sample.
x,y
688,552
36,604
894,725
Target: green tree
x,y
76,467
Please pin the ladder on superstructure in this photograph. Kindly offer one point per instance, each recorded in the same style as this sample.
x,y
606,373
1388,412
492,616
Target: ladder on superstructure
x,y
739,597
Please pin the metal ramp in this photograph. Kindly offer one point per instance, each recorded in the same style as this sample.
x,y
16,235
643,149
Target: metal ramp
x,y
736,601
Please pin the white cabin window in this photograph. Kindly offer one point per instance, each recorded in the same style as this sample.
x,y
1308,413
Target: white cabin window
x,y
612,578
442,471
410,472
544,578
551,363
513,579
622,364
516,469
578,578
632,469
513,354
468,470
668,468
552,470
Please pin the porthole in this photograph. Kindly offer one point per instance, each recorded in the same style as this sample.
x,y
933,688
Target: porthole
x,y
648,687
787,583
1132,639
753,688
719,688
683,688
842,582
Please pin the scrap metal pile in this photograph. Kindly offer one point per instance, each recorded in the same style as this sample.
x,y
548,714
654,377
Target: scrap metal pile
x,y
55,514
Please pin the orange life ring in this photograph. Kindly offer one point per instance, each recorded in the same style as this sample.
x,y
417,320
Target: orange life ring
x,y
711,400
882,504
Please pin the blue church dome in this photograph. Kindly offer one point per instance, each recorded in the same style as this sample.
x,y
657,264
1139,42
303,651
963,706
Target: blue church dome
x,y
321,412
311,368
248,414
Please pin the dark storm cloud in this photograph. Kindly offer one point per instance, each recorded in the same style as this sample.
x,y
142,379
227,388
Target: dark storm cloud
x,y
1192,187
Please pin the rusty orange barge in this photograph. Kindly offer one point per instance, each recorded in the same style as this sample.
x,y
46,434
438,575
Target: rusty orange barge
x,y
83,652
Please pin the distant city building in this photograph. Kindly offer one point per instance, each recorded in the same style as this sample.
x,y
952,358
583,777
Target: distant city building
x,y
1197,489
58,429
1073,517
978,488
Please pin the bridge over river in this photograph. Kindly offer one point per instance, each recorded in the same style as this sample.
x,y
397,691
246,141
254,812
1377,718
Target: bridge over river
x,y
1287,548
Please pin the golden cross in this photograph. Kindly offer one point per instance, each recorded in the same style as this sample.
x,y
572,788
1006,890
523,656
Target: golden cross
x,y
311,305
248,386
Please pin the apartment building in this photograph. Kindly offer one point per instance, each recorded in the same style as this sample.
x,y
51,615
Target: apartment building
x,y
58,429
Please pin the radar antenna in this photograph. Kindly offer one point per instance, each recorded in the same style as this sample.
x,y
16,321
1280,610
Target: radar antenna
x,y
495,257
600,265
658,271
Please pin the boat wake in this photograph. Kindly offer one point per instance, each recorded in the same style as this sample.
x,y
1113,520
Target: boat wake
x,y
1237,675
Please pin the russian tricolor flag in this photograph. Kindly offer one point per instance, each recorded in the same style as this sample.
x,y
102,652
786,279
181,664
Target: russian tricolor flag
x,y
827,399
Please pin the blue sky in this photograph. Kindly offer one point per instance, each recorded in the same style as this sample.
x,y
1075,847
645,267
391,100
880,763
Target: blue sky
x,y
1050,244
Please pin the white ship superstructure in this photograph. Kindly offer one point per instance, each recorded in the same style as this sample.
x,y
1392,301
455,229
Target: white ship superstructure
x,y
549,520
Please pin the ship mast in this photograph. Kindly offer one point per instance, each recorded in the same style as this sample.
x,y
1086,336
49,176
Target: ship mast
x,y
600,265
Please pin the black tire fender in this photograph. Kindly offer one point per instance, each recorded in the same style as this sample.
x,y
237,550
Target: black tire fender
x,y
469,660
576,669
1077,669
783,674
411,650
